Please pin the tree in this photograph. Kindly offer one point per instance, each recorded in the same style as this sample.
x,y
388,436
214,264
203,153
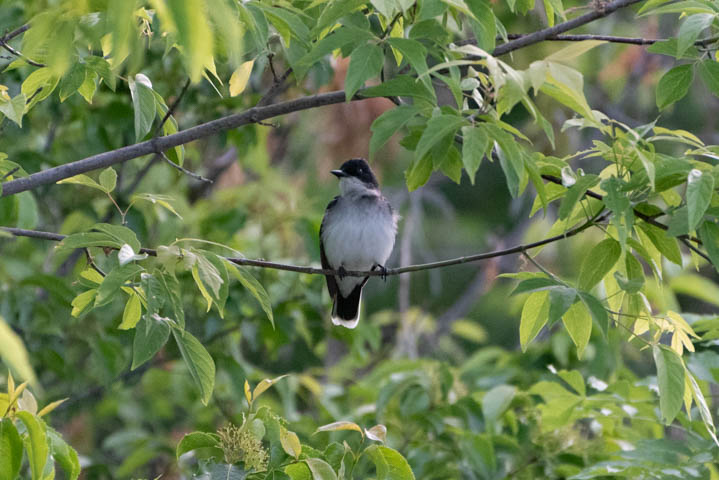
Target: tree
x,y
613,370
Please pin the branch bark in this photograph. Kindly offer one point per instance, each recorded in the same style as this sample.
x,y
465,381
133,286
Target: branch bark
x,y
19,232
160,144
547,33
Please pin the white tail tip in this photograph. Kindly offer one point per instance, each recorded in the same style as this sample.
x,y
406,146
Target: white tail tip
x,y
345,323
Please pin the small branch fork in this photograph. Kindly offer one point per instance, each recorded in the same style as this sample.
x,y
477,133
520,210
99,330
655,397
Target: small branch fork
x,y
19,232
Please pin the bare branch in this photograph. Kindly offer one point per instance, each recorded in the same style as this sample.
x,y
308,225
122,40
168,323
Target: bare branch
x,y
184,170
160,144
18,232
582,37
547,33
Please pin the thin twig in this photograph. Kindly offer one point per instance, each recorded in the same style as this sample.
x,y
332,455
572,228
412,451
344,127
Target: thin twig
x,y
19,54
583,37
277,87
18,31
647,218
544,34
184,170
372,273
10,173
172,107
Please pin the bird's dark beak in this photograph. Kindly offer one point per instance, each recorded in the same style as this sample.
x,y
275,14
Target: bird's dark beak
x,y
338,173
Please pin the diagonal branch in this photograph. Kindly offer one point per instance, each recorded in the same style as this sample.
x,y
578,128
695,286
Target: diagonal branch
x,y
19,232
160,144
541,35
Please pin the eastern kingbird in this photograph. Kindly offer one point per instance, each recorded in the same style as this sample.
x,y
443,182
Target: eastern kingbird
x,y
357,233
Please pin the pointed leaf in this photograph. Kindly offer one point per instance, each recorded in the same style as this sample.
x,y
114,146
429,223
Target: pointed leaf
x,y
700,186
198,361
598,262
670,379
365,63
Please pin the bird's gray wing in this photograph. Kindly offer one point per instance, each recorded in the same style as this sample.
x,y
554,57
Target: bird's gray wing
x,y
331,282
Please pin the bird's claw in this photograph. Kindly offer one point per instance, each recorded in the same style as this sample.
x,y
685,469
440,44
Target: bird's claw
x,y
383,271
342,272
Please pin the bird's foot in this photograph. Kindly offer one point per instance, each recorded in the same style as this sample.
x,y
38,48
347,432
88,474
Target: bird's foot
x,y
342,272
383,271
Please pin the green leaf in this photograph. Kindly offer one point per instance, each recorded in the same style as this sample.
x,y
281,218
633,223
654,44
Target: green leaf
x,y
14,108
151,334
290,443
560,300
198,361
387,125
100,66
535,283
108,179
10,450
575,193
194,35
298,471
418,173
173,295
670,379
475,146
131,314
634,281
534,316
320,469
438,127
27,216
709,71
401,86
690,30
496,401
700,186
666,245
339,38
195,440
365,62
72,81
416,56
83,180
578,323
88,239
709,235
696,286
289,25
88,87
598,262
511,157
64,454
119,235
255,288
484,25
14,354
112,282
143,104
390,464
674,85
35,443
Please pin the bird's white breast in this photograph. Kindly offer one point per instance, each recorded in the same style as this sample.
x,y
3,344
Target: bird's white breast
x,y
358,234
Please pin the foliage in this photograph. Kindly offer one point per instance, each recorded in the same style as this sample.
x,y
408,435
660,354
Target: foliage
x,y
146,252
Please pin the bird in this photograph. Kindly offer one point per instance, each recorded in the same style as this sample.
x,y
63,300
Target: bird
x,y
357,233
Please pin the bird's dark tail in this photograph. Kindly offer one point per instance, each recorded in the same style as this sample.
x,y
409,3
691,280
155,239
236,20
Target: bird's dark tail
x,y
346,311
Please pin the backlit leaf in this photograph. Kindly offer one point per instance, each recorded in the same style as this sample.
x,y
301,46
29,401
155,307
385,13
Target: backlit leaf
x,y
670,379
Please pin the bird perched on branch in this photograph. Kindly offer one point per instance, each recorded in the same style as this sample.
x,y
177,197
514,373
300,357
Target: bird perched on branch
x,y
357,233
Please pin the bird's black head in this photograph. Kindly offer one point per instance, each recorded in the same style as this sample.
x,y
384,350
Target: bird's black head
x,y
357,168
